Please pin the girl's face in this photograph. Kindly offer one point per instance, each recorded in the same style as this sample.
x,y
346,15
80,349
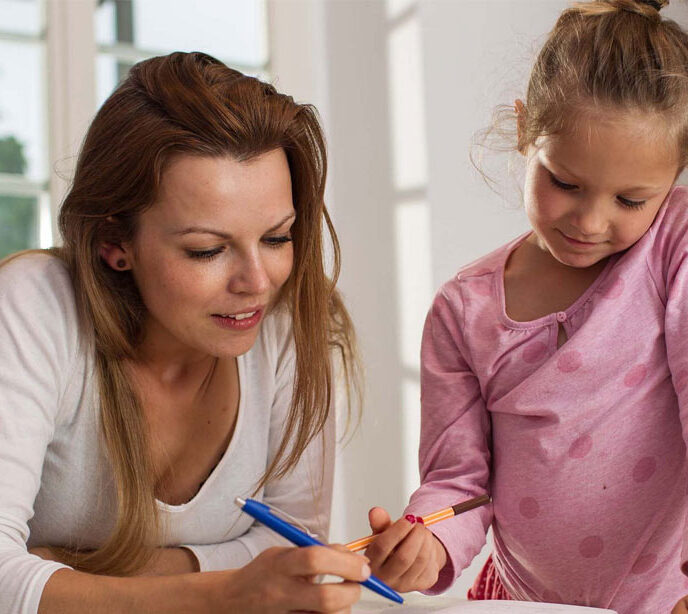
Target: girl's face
x,y
211,254
594,192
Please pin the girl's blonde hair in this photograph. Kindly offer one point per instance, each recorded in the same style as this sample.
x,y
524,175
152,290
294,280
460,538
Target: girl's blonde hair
x,y
191,104
611,54
608,56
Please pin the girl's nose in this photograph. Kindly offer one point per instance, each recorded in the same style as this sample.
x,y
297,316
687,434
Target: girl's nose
x,y
591,219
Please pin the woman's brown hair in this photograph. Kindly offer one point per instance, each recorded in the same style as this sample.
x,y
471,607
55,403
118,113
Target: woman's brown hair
x,y
604,56
191,104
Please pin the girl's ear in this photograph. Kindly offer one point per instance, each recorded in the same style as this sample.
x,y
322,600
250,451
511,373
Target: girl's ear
x,y
116,257
520,110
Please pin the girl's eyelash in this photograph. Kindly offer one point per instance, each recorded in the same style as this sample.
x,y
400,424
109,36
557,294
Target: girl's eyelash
x,y
560,184
631,204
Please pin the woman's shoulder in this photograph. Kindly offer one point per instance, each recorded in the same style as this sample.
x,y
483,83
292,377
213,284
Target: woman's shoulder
x,y
32,271
36,289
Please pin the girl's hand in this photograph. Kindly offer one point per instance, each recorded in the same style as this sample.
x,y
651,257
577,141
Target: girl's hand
x,y
280,581
681,607
406,556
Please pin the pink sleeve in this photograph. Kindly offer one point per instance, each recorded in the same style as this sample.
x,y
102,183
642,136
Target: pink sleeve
x,y
454,452
676,336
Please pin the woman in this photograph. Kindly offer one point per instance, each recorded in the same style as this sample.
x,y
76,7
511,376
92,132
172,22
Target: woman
x,y
173,355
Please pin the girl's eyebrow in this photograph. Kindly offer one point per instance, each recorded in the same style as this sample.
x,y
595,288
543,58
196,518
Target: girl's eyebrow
x,y
224,235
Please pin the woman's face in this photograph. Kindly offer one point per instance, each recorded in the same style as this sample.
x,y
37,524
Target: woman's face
x,y
211,254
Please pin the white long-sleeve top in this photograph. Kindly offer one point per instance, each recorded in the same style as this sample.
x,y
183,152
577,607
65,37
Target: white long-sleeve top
x,y
56,484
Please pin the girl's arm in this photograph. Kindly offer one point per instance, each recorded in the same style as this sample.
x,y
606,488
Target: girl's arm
x,y
454,462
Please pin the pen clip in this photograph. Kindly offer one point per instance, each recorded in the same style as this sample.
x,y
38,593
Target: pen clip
x,y
282,515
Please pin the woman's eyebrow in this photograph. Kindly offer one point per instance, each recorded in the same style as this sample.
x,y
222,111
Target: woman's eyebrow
x,y
224,235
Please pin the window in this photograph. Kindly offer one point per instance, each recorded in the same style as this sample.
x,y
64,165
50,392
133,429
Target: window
x,y
73,54
24,206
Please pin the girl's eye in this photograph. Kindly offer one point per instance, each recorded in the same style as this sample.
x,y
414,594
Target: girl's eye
x,y
560,184
204,254
277,241
631,204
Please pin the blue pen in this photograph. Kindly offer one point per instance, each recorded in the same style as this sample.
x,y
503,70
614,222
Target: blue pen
x,y
262,513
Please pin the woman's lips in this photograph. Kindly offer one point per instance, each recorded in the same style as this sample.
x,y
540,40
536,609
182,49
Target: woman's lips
x,y
243,322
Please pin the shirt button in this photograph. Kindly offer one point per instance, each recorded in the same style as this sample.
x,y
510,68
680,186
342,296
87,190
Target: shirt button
x,y
561,316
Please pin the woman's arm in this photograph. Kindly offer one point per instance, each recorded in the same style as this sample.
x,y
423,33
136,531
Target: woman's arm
x,y
165,561
276,582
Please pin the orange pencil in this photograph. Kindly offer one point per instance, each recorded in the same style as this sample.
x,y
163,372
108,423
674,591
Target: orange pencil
x,y
448,512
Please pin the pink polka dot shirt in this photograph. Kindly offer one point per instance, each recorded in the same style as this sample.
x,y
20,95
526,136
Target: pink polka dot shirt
x,y
581,447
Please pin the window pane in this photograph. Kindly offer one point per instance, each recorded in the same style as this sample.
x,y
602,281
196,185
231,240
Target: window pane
x,y
21,109
234,31
21,16
109,72
18,223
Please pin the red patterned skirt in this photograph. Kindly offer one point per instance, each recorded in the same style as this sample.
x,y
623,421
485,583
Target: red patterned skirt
x,y
488,585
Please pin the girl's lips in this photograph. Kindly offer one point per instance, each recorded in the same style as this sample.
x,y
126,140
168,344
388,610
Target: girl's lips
x,y
576,242
232,324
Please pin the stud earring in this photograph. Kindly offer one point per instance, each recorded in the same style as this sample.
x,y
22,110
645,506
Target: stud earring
x,y
121,263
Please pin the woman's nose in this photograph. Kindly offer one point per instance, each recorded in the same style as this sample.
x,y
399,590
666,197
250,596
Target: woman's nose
x,y
250,276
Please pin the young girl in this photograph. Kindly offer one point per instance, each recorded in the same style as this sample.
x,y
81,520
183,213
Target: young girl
x,y
555,369
172,355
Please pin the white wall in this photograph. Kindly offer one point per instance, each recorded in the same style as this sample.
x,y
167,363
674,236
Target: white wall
x,y
402,87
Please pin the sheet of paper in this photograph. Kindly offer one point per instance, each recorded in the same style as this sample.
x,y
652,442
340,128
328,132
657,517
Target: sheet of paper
x,y
419,604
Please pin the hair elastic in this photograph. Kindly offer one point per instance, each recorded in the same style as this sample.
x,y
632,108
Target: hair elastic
x,y
655,4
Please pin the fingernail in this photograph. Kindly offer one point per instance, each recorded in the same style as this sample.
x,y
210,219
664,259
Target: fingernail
x,y
411,518
365,572
419,519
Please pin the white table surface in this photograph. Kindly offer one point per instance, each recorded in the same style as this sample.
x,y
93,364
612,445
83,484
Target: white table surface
x,y
415,603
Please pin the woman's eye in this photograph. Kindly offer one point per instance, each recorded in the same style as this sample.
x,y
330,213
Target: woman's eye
x,y
277,241
631,204
560,184
204,254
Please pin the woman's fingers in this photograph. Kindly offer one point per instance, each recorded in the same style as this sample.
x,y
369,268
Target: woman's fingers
x,y
329,597
317,560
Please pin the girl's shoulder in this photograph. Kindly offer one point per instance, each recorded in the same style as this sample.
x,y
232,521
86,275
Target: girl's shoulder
x,y
669,231
480,278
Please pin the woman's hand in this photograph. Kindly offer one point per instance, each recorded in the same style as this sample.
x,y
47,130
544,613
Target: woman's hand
x,y
681,607
280,581
406,556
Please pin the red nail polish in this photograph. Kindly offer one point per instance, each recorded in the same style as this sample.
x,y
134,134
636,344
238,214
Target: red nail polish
x,y
420,520
411,518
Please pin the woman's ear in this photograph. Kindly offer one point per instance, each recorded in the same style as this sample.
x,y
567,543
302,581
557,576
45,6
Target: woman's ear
x,y
116,257
520,110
